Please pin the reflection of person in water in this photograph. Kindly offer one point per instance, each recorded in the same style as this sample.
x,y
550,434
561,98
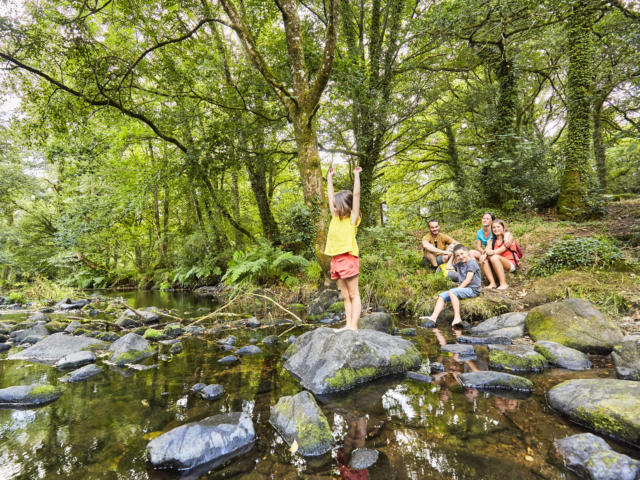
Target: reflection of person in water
x,y
355,438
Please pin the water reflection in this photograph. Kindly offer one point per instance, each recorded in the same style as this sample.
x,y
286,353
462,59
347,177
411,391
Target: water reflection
x,y
354,438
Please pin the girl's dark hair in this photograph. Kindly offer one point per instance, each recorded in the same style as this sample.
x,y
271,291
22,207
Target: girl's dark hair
x,y
343,202
493,217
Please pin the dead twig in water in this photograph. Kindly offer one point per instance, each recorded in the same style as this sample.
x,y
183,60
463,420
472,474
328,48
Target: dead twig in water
x,y
213,314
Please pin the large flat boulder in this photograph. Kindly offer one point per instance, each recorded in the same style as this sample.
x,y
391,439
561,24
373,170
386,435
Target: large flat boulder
x,y
575,323
507,325
130,348
54,347
592,458
299,419
326,361
626,358
607,406
214,439
561,356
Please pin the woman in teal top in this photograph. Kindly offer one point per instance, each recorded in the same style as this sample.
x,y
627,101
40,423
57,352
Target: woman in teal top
x,y
483,237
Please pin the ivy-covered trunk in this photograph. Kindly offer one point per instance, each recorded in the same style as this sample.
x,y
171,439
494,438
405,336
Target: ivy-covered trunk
x,y
598,147
573,201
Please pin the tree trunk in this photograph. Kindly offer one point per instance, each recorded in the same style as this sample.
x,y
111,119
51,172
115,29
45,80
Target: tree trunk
x,y
235,204
598,148
258,180
573,202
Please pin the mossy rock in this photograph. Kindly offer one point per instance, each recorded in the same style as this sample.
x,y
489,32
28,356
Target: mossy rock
x,y
153,334
574,323
56,326
607,406
296,307
495,381
133,356
22,396
337,307
299,419
516,358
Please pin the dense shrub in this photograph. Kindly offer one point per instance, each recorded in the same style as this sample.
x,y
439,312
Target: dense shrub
x,y
578,253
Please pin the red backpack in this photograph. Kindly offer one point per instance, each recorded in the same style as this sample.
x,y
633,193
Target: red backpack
x,y
515,250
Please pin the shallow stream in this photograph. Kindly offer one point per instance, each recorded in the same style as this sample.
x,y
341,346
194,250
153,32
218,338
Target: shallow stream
x,y
99,428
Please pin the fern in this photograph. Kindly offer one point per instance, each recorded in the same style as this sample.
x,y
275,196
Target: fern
x,y
264,264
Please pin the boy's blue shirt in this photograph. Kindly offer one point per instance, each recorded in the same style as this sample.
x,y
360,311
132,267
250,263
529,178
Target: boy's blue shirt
x,y
462,268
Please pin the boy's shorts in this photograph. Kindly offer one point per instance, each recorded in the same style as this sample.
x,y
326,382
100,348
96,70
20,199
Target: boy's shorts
x,y
465,292
344,265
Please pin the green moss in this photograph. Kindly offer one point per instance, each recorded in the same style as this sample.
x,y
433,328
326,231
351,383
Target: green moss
x,y
545,352
544,327
409,360
296,307
56,326
509,362
312,434
289,352
17,297
133,356
348,377
336,307
44,391
315,318
152,334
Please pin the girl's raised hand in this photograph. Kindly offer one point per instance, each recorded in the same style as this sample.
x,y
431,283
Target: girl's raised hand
x,y
331,171
357,170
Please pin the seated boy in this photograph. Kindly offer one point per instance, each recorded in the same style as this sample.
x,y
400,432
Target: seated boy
x,y
470,281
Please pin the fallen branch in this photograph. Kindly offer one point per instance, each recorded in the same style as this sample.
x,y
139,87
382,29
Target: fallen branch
x,y
278,305
213,314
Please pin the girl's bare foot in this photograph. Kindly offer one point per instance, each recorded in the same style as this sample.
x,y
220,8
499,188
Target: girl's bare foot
x,y
491,285
340,329
457,322
503,287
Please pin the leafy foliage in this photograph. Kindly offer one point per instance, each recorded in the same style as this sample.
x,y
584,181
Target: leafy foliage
x,y
578,253
264,264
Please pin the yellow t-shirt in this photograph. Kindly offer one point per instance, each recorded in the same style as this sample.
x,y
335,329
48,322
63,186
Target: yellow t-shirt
x,y
341,237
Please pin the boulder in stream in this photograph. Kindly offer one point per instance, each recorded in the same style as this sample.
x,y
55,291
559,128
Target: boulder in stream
x,y
380,321
75,360
506,325
484,380
54,347
213,440
494,339
516,358
326,361
36,332
362,458
575,323
561,356
130,348
626,358
299,419
82,374
248,350
592,458
211,392
4,347
22,396
605,405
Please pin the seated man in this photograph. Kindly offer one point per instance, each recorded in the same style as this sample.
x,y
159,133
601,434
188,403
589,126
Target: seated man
x,y
436,246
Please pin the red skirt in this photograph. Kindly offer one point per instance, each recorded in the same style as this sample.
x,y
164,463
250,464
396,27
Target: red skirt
x,y
344,265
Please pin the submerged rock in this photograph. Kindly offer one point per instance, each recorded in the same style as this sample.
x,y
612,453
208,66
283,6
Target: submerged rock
x,y
248,350
54,347
211,392
626,358
592,458
230,340
39,317
507,325
408,332
299,419
575,323
28,395
419,377
516,358
253,322
75,360
561,356
461,350
228,359
607,406
485,380
4,347
494,339
362,458
214,439
82,373
197,387
327,361
380,321
270,340
176,348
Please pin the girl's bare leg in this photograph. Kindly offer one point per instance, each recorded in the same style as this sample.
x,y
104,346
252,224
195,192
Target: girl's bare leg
x,y
342,285
455,304
486,269
499,265
354,301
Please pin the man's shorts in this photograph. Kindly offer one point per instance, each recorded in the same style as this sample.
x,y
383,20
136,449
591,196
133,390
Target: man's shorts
x,y
465,292
427,263
344,265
